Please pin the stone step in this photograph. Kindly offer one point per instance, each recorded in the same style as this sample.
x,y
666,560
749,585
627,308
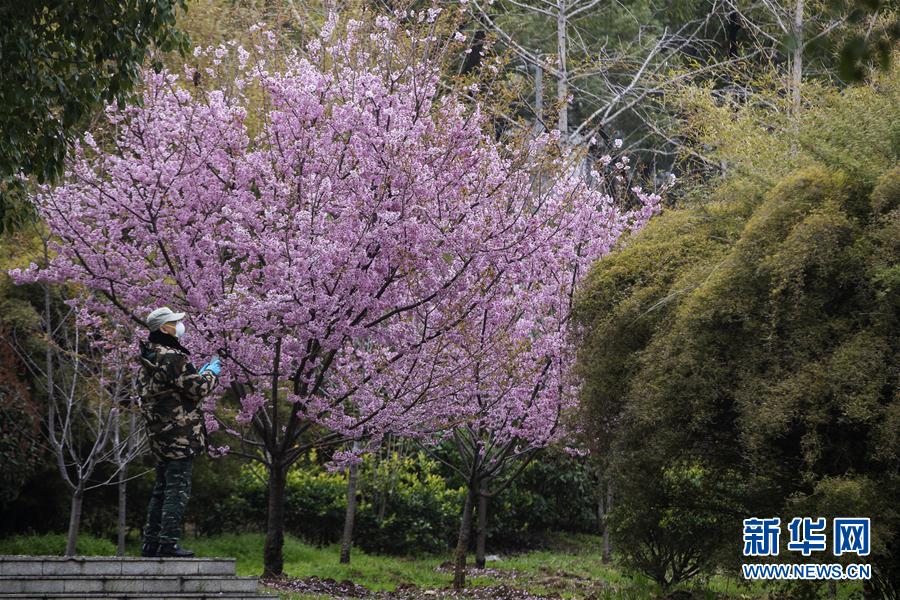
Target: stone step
x,y
113,565
128,584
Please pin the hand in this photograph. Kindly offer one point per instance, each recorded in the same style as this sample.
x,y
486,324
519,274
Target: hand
x,y
213,366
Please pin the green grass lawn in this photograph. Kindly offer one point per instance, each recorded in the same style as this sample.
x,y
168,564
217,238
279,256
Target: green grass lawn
x,y
575,570
374,571
571,568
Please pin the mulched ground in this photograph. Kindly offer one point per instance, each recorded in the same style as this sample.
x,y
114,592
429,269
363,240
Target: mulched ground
x,y
348,589
314,585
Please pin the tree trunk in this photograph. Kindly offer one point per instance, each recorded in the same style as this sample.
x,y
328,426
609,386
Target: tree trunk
x,y
382,504
349,516
462,543
797,62
122,489
607,544
732,31
74,519
601,518
385,487
562,84
538,99
482,524
273,555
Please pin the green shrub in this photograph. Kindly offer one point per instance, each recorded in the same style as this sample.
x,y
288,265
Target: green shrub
x,y
555,493
315,503
420,513
213,481
672,518
240,508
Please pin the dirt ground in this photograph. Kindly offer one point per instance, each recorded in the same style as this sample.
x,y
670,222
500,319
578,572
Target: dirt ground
x,y
347,589
510,589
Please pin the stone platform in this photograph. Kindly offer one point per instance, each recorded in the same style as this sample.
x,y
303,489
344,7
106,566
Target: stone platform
x,y
83,577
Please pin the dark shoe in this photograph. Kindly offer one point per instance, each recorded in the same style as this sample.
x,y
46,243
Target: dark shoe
x,y
149,549
173,551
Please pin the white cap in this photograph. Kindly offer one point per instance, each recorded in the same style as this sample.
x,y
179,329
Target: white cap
x,y
162,315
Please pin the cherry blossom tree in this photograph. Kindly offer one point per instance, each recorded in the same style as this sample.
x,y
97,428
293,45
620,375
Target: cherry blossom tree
x,y
328,220
516,349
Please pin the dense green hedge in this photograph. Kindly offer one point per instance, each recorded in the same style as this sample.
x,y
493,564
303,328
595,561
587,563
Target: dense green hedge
x,y
406,504
420,512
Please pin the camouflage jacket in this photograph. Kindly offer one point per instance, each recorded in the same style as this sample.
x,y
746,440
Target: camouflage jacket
x,y
171,391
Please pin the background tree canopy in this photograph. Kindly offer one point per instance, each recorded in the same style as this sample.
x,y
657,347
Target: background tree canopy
x,y
61,61
740,355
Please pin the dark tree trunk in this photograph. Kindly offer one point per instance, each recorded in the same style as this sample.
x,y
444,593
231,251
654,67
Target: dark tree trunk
x,y
123,490
74,519
601,514
481,534
273,555
600,526
732,31
349,516
462,543
607,544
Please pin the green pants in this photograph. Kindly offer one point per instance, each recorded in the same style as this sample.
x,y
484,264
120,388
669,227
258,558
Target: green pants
x,y
168,500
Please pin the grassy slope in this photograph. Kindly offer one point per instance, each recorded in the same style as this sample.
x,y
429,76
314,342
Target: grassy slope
x,y
572,568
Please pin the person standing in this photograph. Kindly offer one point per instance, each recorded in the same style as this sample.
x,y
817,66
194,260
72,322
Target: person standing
x,y
171,390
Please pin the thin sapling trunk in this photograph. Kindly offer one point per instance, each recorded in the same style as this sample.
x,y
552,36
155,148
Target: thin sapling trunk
x,y
481,536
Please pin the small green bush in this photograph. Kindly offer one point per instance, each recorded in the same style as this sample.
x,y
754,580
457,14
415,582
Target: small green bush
x,y
555,493
240,508
421,511
315,503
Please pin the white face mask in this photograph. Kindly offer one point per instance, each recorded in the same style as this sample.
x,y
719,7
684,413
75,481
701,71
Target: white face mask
x,y
179,330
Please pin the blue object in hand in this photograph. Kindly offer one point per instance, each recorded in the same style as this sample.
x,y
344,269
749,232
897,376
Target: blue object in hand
x,y
213,366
